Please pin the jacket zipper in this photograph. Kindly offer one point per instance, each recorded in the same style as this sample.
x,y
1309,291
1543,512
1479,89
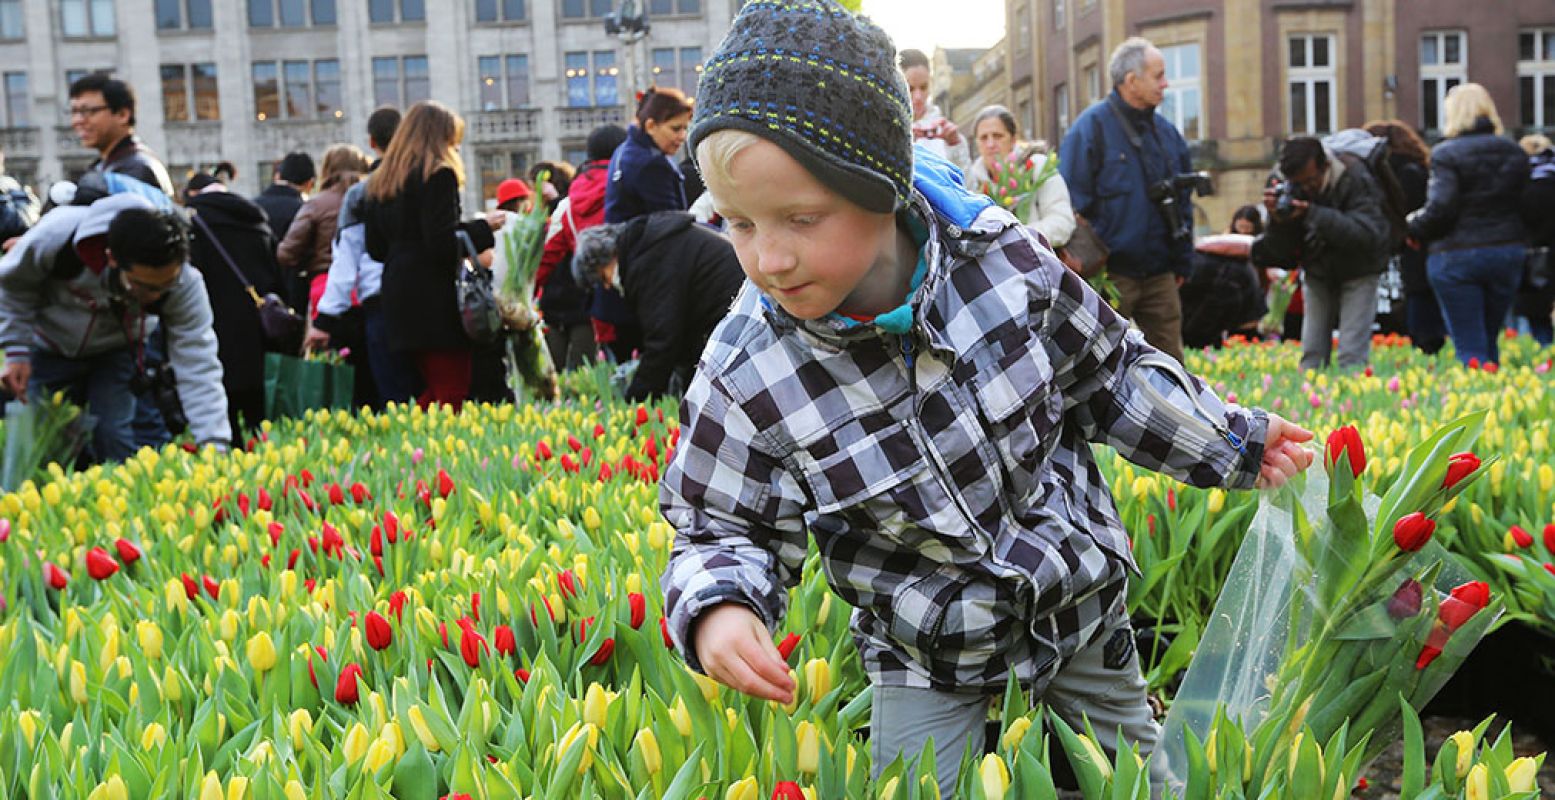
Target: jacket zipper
x,y
1169,365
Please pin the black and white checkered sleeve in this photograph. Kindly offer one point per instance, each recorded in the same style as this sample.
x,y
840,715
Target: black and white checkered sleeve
x,y
738,518
1124,393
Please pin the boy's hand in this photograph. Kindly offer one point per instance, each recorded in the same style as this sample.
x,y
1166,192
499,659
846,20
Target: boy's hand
x,y
736,650
1283,455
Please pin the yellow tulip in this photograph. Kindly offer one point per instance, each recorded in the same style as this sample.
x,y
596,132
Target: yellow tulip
x,y
28,722
585,733
153,736
647,747
418,725
888,789
237,787
1478,784
111,789
294,790
809,742
172,685
1465,742
681,717
1097,757
380,752
210,788
591,519
300,725
261,652
596,705
708,686
817,674
995,776
743,789
1522,775
356,742
927,788
1217,500
229,625
1017,731
78,682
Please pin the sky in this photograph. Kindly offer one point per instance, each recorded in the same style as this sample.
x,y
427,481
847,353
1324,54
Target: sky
x,y
925,24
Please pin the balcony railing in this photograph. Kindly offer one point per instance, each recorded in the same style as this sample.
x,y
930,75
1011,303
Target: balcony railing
x,y
505,126
19,142
276,138
578,122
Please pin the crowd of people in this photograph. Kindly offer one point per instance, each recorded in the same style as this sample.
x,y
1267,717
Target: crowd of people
x,y
636,264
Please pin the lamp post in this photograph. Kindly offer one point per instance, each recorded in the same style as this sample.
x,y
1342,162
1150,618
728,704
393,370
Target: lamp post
x,y
629,24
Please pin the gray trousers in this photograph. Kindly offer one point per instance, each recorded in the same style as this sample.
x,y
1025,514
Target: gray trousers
x,y
1350,306
1111,696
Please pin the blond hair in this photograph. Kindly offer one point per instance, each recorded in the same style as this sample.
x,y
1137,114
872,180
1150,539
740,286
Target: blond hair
x,y
342,163
717,150
1464,106
1535,143
427,138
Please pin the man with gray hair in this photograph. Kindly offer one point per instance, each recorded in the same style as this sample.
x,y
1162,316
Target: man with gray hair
x,y
1119,159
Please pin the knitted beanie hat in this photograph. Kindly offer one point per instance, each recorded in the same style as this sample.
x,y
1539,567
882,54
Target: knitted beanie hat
x,y
821,83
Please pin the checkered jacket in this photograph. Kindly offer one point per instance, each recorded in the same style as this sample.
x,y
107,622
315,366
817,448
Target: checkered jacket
x,y
946,475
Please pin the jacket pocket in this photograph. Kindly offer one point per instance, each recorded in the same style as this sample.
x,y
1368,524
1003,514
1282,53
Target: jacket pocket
x,y
848,463
947,621
1116,176
1022,411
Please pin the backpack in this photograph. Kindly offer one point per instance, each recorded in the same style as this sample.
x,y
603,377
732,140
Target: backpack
x,y
1357,148
18,210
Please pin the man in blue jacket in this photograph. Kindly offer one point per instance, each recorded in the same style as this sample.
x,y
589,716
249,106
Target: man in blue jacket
x,y
1113,154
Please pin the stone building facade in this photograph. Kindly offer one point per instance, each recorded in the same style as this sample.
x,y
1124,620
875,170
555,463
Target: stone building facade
x,y
249,80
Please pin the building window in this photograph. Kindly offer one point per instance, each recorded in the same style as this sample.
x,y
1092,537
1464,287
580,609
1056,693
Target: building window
x,y
295,90
400,81
1443,64
11,26
386,12
1022,27
173,15
504,89
1183,103
1092,84
1536,77
290,13
1311,77
1061,109
577,74
584,9
73,75
1028,123
606,79
189,92
17,101
1060,14
690,69
676,69
497,167
83,18
499,10
664,8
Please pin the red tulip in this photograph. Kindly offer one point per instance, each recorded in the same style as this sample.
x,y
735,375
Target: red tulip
x,y
599,430
574,443
243,504
583,629
455,797
1520,537
543,450
375,541
100,565
639,608
191,587
337,495
212,588
265,501
570,464
1549,537
346,692
379,633
307,480
324,656
566,581
475,606
602,655
470,646
642,416
291,558
1459,466
786,647
1346,441
445,483
1464,602
664,630
391,526
1405,602
503,641
397,603
275,530
129,553
359,493
56,577
787,790
5,530
1412,532
605,473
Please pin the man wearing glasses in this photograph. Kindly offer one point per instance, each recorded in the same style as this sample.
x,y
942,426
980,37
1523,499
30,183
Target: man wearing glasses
x,y
102,113
79,294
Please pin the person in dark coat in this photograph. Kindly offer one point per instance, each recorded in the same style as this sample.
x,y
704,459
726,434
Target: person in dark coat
x,y
678,277
643,178
240,226
1410,160
1472,223
102,115
412,217
1535,303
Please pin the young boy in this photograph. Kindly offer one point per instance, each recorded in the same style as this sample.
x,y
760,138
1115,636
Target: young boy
x,y
913,379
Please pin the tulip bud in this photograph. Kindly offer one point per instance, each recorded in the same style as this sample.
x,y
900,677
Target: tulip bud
x,y
1464,602
294,790
153,736
1465,743
56,578
583,733
743,789
149,634
78,682
100,565
1017,731
994,776
300,726
1345,443
379,633
210,788
1459,466
379,753
1522,775
237,787
786,647
1516,537
647,747
346,691
1477,787
681,716
809,741
261,652
638,607
355,745
596,705
787,790
817,673
1405,602
1413,531
418,726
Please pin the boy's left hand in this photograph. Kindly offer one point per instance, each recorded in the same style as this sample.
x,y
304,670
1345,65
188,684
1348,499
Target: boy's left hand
x,y
1283,455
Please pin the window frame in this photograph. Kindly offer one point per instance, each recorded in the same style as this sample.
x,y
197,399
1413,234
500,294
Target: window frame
x,y
677,9
1061,109
312,109
9,120
1060,14
1441,74
310,14
591,10
398,17
572,72
1310,77
504,79
21,21
90,14
499,7
184,25
1179,86
1539,71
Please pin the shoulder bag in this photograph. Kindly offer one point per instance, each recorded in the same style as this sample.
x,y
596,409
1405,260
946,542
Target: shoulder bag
x,y
282,327
477,303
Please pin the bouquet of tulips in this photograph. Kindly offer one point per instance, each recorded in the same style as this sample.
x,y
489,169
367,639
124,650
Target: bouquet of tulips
x,y
1282,289
1013,183
40,433
1341,610
530,371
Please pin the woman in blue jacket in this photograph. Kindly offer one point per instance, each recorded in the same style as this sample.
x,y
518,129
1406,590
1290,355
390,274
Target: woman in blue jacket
x,y
643,176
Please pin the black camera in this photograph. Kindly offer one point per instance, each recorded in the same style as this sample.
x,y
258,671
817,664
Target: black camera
x,y
1284,193
1164,194
158,382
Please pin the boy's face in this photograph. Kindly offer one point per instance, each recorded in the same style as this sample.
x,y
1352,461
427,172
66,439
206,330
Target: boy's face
x,y
807,247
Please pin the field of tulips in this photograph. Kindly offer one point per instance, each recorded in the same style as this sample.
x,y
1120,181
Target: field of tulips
x,y
421,604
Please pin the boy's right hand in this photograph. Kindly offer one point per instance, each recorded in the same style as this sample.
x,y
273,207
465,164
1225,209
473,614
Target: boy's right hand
x,y
736,650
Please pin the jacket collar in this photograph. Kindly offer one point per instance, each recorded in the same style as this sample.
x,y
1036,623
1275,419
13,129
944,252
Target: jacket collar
x,y
1143,118
125,147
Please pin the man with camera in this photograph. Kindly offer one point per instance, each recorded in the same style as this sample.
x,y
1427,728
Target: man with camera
x,y
79,294
1326,217
1130,176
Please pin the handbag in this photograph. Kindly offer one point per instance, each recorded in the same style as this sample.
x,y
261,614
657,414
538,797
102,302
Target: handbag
x,y
1085,253
477,302
1538,270
281,326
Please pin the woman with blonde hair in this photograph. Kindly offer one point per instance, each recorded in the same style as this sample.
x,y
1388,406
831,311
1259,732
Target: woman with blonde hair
x,y
307,247
412,215
1472,223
